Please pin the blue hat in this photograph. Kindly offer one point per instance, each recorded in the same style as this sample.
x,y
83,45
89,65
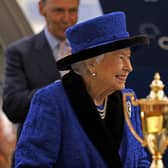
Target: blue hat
x,y
97,36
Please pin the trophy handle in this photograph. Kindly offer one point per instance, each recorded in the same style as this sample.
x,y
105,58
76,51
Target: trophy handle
x,y
133,101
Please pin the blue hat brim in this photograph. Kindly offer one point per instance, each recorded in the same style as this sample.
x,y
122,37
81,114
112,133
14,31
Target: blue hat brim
x,y
64,64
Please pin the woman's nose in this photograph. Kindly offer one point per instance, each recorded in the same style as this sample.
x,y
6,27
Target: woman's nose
x,y
128,66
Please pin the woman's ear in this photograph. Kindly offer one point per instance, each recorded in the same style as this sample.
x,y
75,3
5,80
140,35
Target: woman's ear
x,y
91,66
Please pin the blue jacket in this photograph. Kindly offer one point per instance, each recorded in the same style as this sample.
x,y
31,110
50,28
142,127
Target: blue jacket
x,y
53,135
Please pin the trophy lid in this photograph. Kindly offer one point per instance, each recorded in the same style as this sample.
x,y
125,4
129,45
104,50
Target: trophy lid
x,y
156,95
157,92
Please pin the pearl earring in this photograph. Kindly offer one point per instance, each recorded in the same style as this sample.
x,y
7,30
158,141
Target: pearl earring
x,y
94,74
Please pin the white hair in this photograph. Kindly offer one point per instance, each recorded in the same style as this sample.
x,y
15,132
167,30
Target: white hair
x,y
81,68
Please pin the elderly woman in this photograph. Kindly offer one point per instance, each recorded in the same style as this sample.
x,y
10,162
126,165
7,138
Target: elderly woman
x,y
78,122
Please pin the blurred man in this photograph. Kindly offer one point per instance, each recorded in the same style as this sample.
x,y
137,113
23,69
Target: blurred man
x,y
31,62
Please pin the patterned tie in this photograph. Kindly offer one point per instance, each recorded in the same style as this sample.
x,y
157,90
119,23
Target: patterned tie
x,y
63,50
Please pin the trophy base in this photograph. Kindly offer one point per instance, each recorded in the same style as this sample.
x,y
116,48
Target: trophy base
x,y
157,163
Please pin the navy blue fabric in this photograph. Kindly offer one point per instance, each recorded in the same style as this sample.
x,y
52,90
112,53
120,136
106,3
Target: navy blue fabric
x,y
29,65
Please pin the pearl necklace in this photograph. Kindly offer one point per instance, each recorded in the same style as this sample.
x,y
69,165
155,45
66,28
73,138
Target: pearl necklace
x,y
102,112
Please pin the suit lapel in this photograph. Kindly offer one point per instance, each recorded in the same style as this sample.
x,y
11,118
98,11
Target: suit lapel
x,y
95,128
45,58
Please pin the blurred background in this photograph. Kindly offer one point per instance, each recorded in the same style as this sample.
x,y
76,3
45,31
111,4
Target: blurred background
x,y
88,9
21,17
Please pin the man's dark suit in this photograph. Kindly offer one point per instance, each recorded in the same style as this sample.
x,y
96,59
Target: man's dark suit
x,y
30,65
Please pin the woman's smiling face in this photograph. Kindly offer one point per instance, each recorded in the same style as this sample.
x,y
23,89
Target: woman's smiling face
x,y
113,70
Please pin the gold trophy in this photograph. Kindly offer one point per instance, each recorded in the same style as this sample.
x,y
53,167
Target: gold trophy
x,y
154,118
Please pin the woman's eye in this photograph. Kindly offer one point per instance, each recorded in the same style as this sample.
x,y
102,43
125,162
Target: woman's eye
x,y
121,56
